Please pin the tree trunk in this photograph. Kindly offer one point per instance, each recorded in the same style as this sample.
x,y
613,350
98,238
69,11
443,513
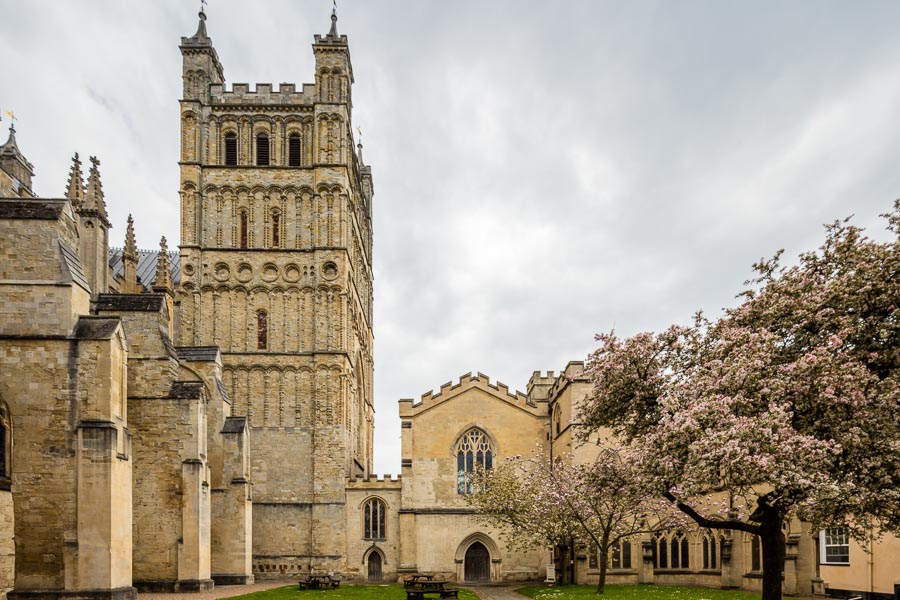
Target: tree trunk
x,y
773,550
604,558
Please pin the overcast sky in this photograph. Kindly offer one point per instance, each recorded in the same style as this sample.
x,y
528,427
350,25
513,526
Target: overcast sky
x,y
543,171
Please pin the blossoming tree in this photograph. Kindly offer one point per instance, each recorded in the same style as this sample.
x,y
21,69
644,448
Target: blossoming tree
x,y
536,500
787,405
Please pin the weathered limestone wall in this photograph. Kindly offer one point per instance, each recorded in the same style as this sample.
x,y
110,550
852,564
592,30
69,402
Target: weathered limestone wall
x,y
45,499
7,544
171,493
232,509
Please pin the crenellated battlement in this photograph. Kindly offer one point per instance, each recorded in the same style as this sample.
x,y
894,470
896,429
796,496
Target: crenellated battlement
x,y
448,390
263,94
373,481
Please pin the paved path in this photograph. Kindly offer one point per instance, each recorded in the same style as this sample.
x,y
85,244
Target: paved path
x,y
224,591
497,592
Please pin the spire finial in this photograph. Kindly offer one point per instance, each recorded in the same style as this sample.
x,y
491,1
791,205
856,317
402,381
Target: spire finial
x,y
75,185
359,145
333,34
93,197
130,249
163,283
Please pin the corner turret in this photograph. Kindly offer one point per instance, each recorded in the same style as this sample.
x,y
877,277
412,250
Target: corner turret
x,y
15,180
200,63
334,72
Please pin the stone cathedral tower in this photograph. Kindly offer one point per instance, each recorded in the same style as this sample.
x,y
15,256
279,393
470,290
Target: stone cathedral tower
x,y
276,270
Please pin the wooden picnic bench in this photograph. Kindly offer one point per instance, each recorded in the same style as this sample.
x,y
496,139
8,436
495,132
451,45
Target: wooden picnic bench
x,y
320,582
421,587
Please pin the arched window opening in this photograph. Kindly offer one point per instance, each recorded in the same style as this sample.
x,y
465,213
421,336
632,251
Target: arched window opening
x,y
710,550
276,229
473,452
620,555
242,226
373,520
294,150
262,330
755,554
5,448
660,552
262,149
231,149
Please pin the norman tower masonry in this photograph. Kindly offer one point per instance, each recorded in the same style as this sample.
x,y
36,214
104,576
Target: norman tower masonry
x,y
276,243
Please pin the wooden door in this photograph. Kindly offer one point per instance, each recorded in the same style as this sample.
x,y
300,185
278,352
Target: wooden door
x,y
477,563
374,567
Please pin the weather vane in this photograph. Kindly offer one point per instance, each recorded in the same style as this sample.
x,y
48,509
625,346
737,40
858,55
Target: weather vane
x,y
202,6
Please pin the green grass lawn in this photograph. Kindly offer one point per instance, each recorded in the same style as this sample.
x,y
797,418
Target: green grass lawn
x,y
632,592
345,592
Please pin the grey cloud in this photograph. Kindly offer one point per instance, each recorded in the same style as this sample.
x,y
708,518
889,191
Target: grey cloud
x,y
542,171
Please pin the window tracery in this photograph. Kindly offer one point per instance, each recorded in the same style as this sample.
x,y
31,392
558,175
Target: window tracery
x,y
473,451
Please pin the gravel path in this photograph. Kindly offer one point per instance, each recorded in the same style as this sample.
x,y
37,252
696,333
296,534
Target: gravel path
x,y
497,592
224,591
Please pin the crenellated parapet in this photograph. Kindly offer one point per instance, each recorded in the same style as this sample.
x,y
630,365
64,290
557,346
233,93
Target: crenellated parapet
x,y
282,97
466,382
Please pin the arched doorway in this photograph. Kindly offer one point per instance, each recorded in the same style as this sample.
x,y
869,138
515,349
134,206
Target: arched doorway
x,y
374,564
477,563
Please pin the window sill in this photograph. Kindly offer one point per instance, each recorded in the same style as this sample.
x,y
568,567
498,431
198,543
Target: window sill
x,y
671,571
835,564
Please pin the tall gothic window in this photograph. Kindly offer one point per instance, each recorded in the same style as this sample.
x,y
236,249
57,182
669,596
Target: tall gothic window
x,y
262,330
373,520
473,451
755,554
242,228
294,150
262,150
710,552
231,149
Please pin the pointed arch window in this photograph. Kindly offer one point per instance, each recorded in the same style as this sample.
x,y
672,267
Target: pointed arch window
x,y
711,549
262,149
294,150
262,330
374,519
755,554
473,451
231,149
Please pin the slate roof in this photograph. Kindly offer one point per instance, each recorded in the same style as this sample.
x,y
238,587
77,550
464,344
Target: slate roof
x,y
129,302
73,264
95,328
194,353
146,267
